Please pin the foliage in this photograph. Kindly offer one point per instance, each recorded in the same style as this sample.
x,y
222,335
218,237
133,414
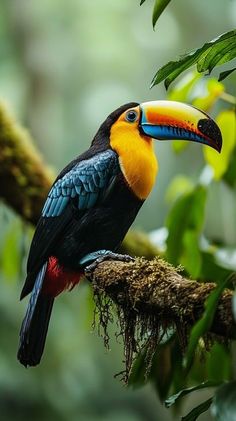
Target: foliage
x,y
174,398
220,50
202,325
158,8
186,244
184,223
220,163
213,53
198,410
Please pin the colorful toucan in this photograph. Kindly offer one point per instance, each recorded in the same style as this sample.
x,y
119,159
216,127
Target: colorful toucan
x,y
95,199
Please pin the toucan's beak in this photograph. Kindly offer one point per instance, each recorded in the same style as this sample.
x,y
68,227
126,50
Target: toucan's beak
x,y
166,120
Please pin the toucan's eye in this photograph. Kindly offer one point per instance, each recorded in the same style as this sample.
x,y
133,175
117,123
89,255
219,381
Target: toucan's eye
x,y
131,116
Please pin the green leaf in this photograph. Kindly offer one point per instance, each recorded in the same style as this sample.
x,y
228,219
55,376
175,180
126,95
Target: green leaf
x,y
211,269
170,71
159,7
224,402
185,220
191,258
204,324
224,75
213,91
181,91
214,55
174,398
198,410
216,52
177,187
219,356
226,121
230,175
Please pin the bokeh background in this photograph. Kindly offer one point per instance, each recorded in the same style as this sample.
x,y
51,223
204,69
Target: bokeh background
x,y
64,66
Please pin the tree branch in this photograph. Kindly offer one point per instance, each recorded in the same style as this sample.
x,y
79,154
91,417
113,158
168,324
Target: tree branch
x,y
24,178
157,288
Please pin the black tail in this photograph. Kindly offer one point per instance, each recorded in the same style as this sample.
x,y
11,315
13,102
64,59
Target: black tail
x,y
35,324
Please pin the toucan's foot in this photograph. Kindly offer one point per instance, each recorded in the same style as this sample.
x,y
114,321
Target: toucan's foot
x,y
91,260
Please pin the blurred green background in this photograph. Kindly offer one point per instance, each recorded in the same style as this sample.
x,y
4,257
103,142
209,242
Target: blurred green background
x,y
64,66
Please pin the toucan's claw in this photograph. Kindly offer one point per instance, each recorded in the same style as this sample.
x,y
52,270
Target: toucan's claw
x,y
91,260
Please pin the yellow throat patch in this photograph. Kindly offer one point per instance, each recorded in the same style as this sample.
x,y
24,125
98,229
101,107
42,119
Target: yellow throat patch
x,y
136,156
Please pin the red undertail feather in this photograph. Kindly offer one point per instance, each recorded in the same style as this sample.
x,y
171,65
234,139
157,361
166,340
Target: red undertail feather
x,y
58,278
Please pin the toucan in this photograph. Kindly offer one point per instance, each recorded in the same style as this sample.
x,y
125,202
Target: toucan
x,y
94,201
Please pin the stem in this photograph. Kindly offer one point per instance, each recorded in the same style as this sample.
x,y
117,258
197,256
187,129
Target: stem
x,y
228,98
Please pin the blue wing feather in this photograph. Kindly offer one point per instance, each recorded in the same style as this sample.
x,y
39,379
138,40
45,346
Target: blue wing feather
x,y
87,180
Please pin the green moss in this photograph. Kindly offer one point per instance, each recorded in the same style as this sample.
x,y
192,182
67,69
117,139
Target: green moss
x,y
28,178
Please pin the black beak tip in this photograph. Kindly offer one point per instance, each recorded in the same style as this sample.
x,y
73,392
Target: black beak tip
x,y
210,129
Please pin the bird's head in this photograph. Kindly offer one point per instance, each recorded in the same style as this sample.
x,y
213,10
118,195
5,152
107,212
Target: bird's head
x,y
167,120
133,126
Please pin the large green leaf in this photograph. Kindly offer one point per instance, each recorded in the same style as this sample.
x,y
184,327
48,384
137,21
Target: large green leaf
x,y
224,75
181,91
211,270
198,410
204,324
224,402
184,224
211,91
218,51
159,7
178,186
174,398
226,121
191,258
219,356
230,175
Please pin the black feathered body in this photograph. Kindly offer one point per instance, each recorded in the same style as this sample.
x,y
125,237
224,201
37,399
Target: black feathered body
x,y
90,207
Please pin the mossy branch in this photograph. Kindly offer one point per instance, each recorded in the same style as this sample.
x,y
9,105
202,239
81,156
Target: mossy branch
x,y
157,288
24,178
151,298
